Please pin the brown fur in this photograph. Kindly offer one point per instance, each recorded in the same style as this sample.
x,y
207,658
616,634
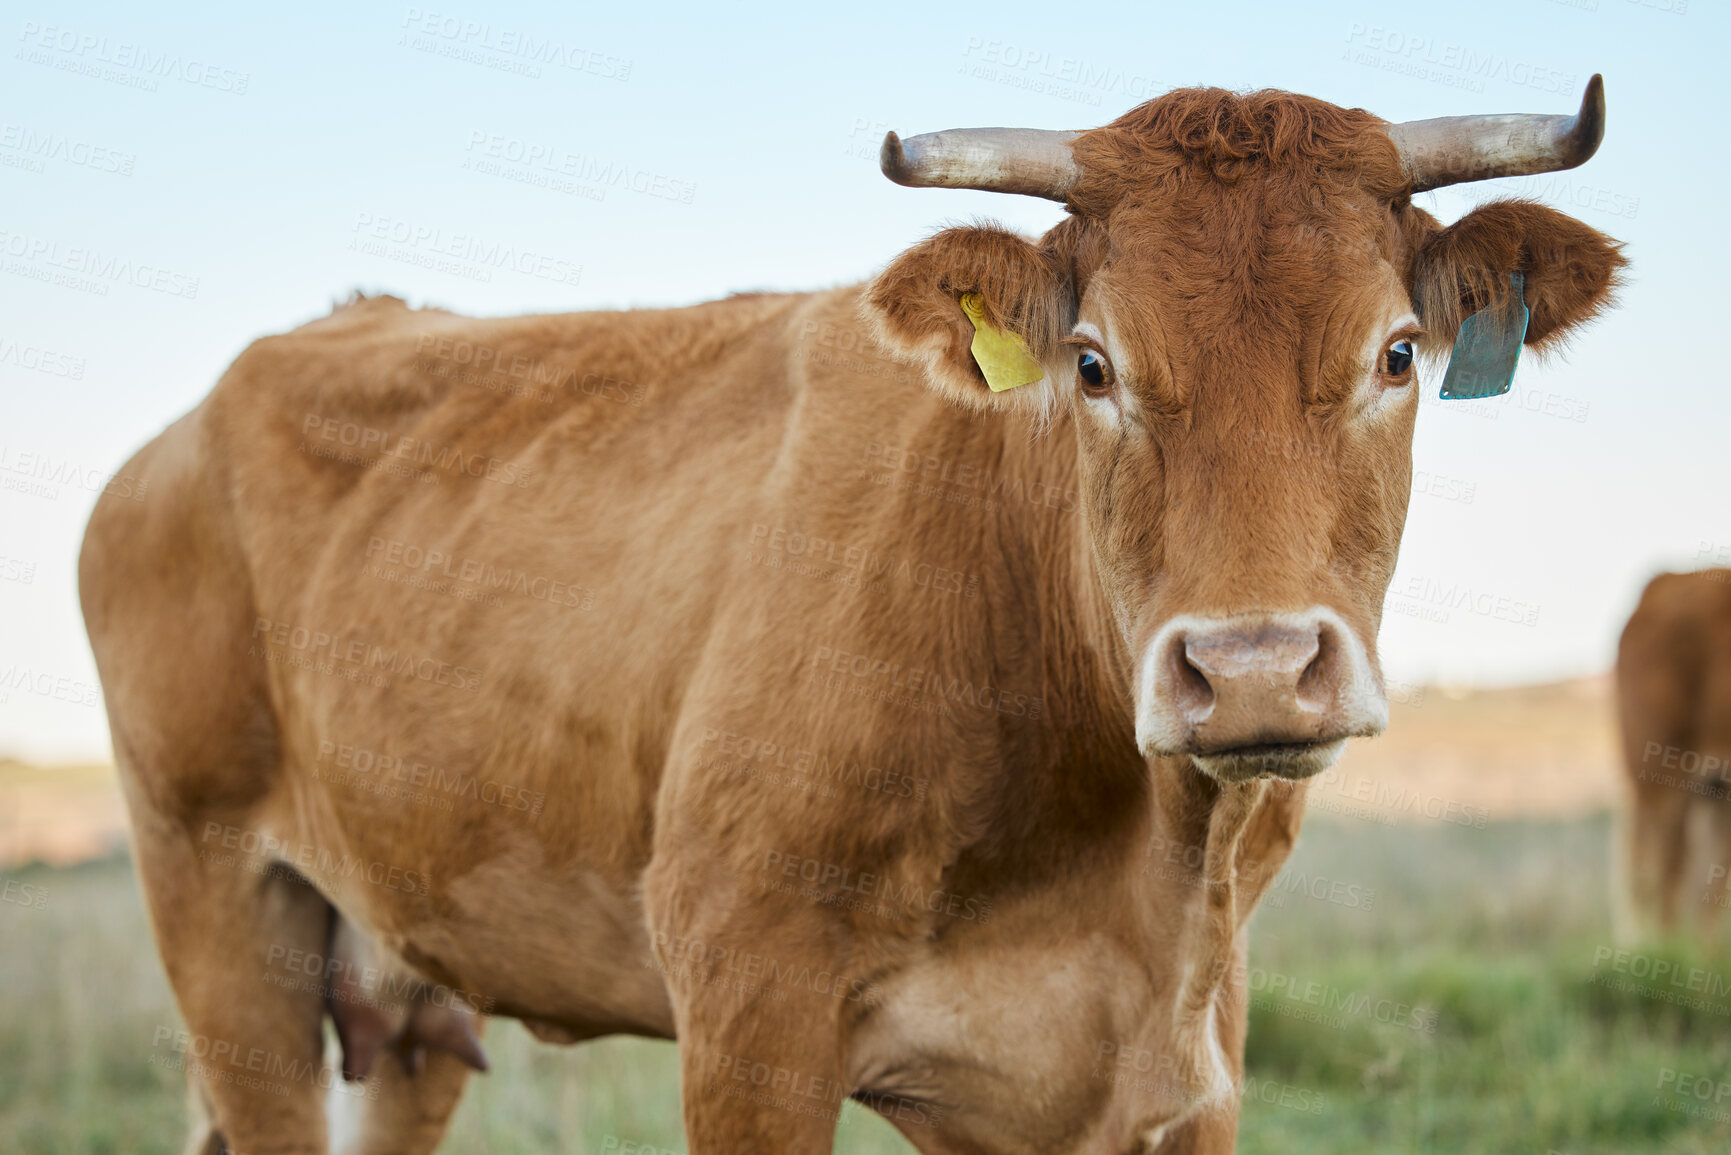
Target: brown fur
x,y
1237,249
1673,691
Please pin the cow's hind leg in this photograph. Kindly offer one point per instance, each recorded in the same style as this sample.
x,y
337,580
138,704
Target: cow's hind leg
x,y
254,1045
1657,854
1714,875
253,1048
167,601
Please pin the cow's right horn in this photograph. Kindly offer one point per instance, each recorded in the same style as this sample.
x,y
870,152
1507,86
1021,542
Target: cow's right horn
x,y
1456,149
1035,162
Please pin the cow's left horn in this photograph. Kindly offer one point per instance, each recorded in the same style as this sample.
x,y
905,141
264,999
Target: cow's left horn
x,y
1035,162
1455,149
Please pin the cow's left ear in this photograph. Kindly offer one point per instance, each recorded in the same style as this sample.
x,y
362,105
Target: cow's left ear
x,y
1571,271
1020,295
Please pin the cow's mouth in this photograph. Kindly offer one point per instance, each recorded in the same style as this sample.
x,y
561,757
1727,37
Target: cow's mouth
x,y
1292,760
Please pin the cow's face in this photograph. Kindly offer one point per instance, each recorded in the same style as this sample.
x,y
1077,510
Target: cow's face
x,y
1230,323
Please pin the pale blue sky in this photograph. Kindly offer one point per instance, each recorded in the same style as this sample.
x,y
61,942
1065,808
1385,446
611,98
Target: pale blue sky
x,y
754,133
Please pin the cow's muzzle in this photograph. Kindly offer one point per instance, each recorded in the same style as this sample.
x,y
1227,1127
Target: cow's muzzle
x,y
1257,694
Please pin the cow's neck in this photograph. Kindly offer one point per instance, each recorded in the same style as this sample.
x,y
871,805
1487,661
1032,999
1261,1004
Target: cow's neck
x,y
1080,775
1200,854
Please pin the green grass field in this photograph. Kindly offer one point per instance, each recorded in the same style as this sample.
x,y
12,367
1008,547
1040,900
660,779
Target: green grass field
x,y
1471,1007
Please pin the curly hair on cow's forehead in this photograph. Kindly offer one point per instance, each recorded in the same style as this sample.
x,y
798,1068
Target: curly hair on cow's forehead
x,y
1231,136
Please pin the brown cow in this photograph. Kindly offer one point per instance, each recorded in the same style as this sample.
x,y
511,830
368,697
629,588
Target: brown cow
x,y
709,674
1674,699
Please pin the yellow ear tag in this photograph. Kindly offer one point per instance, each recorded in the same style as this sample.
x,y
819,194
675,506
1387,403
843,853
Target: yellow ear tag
x,y
1001,356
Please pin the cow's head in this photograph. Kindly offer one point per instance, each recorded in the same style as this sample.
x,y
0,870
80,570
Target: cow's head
x,y
1230,320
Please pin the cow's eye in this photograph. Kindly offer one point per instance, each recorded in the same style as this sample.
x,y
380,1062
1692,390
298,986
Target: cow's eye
x,y
1397,359
1096,374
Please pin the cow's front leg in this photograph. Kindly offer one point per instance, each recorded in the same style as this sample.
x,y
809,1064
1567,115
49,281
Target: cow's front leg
x,y
759,1079
761,1050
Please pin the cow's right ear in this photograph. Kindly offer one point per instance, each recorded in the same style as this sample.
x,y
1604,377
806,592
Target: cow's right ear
x,y
915,308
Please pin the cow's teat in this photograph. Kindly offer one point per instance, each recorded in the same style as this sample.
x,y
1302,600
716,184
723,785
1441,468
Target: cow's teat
x,y
1257,694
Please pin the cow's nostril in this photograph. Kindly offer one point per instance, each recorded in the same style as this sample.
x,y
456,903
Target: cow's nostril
x,y
1191,689
1320,682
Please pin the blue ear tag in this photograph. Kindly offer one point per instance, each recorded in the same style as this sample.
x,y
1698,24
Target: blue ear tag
x,y
1488,349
